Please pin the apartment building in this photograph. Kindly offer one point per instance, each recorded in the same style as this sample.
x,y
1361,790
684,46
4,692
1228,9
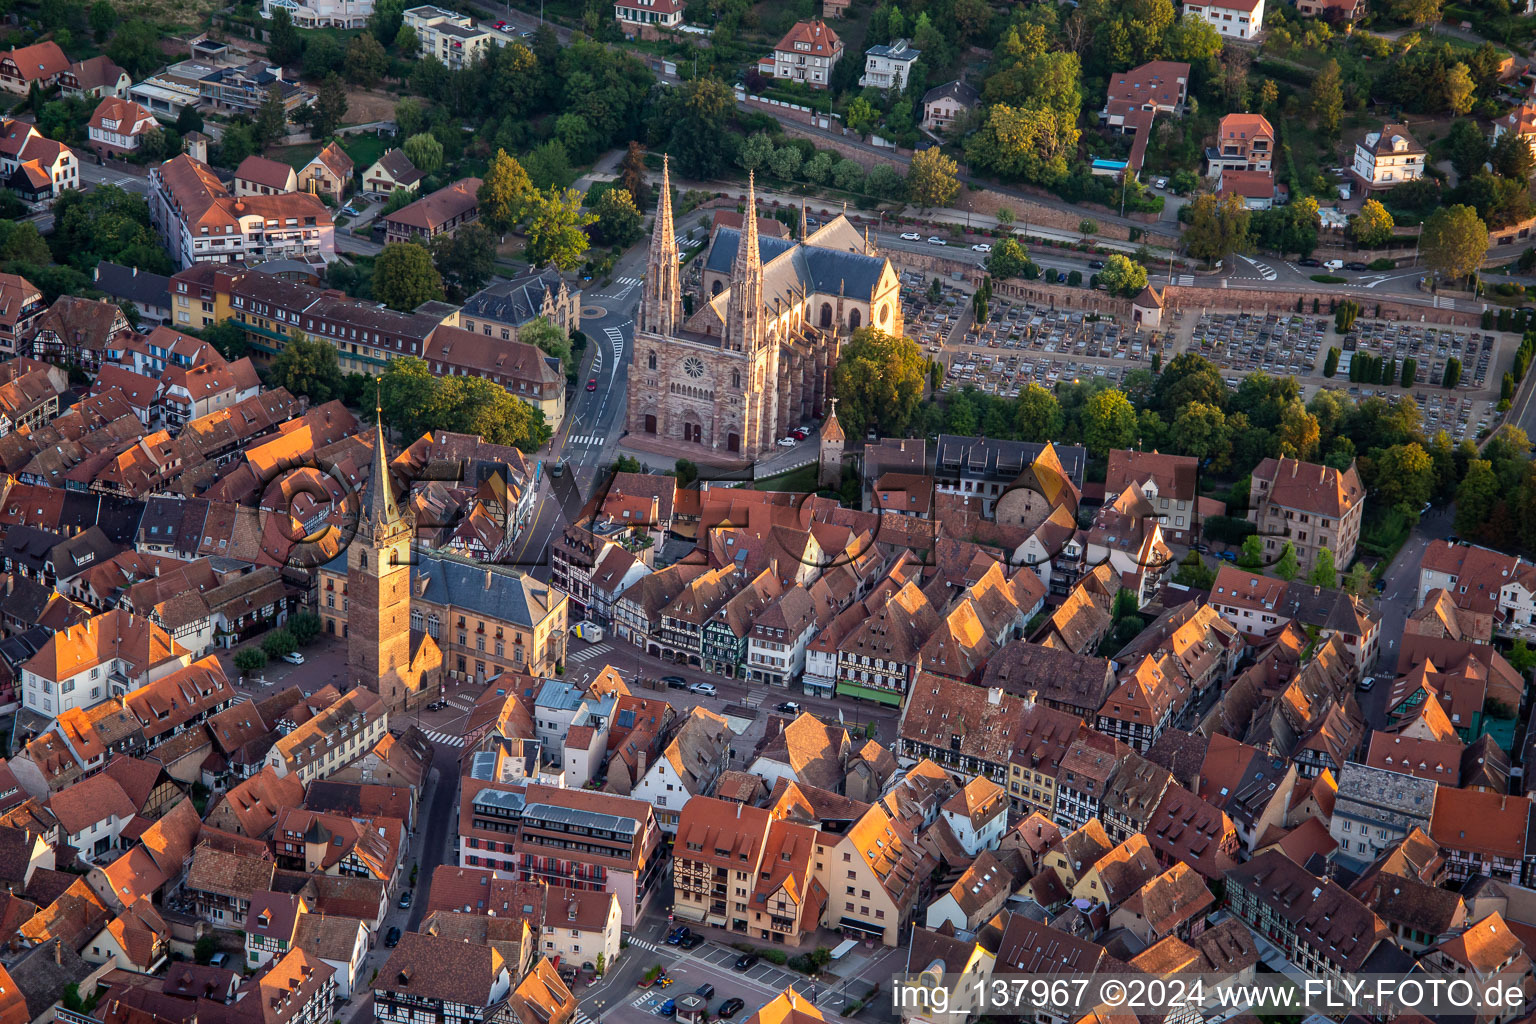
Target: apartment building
x,y
435,978
637,17
1320,927
1375,809
105,656
200,221
1312,506
332,739
321,13
451,37
590,841
807,53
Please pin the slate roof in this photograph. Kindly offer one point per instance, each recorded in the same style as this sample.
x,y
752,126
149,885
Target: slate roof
x,y
135,285
514,300
802,268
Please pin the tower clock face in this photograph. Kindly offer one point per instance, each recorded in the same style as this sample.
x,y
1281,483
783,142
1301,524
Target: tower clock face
x,y
693,366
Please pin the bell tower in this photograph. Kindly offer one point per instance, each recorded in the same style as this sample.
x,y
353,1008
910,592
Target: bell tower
x,y
379,588
662,302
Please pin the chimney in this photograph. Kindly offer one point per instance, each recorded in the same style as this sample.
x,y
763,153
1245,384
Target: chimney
x,y
1029,699
995,695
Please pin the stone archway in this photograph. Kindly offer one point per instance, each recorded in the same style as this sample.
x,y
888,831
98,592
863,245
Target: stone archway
x,y
733,442
650,423
693,431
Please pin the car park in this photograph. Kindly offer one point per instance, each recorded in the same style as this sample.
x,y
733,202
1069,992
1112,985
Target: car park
x,y
910,236
982,247
294,658
704,689
936,240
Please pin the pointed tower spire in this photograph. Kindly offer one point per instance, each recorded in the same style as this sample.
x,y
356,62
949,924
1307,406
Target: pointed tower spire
x,y
744,314
805,223
378,502
662,301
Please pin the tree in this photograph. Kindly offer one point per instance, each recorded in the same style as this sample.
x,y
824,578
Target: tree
x,y
1460,90
284,43
365,60
755,152
330,106
1410,371
309,368
277,643
1028,144
1512,157
1416,12
1201,430
103,19
1298,431
504,193
1189,377
861,117
410,118
1521,658
1331,362
549,165
632,175
466,258
1467,147
1372,226
878,382
305,627
1194,573
247,660
1476,497
1452,375
549,338
424,151
404,277
555,228
407,43
386,19
1007,259
931,178
271,120
1454,241
1109,421
1287,567
693,123
1037,414
1217,228
1324,573
1121,276
1344,318
618,220
1252,556
1405,477
1326,98
1358,580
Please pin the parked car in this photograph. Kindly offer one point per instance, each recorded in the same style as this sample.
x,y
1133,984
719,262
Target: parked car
x,y
936,240
667,1008
405,900
789,707
1096,264
677,934
1333,264
392,938
706,990
676,683
982,247
558,469
501,25
1309,262
746,961
218,960
1367,683
704,689
730,1008
910,236
787,442
798,434
693,940
1160,183
1226,556
294,658
1356,265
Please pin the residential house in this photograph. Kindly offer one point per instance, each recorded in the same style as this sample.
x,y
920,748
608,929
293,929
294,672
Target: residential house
x,y
40,64
887,66
85,332
451,37
945,104
391,171
107,655
1387,158
1244,142
222,884
339,941
1317,925
149,293
328,173
200,220
1234,19
688,767
1484,835
96,77
21,304
644,17
1375,808
338,735
807,53
259,176
523,369
118,125
441,213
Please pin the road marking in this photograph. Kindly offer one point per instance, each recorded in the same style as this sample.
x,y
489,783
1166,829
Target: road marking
x,y
444,738
645,944
588,440
596,651
1186,280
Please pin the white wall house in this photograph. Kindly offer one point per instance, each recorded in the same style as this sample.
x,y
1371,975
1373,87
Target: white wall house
x,y
977,815
1237,19
888,67
1389,157
322,14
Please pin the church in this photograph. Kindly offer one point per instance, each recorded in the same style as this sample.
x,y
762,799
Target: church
x,y
755,358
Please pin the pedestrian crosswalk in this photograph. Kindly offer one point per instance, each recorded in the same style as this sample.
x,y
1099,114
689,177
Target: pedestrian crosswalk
x,y
445,739
754,698
595,651
1188,280
590,440
624,285
582,1018
645,944
244,698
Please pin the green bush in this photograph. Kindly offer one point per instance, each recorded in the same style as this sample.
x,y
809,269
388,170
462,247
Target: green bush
x,y
1327,279
774,956
1383,264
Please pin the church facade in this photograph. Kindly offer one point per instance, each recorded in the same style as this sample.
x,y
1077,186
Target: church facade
x,y
755,359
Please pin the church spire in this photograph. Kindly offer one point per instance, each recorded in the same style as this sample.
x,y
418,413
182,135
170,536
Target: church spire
x,y
744,315
378,502
805,223
662,300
